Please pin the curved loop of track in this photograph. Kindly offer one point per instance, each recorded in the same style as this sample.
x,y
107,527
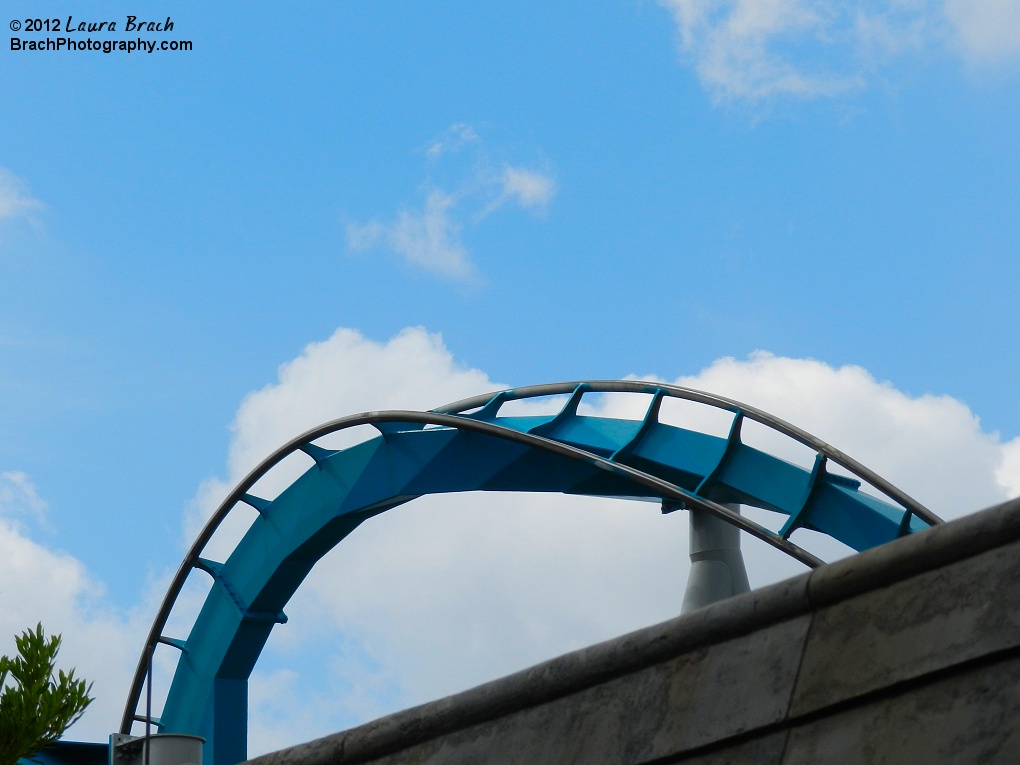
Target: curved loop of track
x,y
460,417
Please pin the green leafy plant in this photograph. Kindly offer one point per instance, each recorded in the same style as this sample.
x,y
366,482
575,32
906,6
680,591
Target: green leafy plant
x,y
36,707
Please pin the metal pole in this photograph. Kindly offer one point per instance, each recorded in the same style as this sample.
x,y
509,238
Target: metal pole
x,y
148,706
717,565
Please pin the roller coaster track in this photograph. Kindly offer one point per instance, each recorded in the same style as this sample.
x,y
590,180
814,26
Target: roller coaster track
x,y
467,446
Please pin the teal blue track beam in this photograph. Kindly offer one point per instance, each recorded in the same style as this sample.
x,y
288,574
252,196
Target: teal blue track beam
x,y
468,446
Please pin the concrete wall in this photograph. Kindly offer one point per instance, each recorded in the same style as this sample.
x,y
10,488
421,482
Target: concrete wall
x,y
908,653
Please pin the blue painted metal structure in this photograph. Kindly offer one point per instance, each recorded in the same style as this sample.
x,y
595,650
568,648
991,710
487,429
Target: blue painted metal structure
x,y
70,753
468,446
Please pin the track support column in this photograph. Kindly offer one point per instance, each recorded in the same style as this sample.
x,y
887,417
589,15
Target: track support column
x,y
717,565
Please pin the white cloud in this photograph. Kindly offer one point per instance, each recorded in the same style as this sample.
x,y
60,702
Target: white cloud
x,y
755,50
449,591
15,201
741,48
348,374
529,188
430,238
986,31
893,28
343,375
51,587
1007,473
19,497
930,446
362,237
454,138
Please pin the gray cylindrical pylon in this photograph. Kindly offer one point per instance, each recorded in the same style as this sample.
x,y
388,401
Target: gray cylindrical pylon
x,y
717,565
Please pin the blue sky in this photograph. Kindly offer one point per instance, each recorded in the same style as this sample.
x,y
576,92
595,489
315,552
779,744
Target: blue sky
x,y
559,191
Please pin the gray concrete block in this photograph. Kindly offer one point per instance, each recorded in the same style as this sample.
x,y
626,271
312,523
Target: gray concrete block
x,y
766,750
701,697
912,627
966,719
731,688
327,750
586,729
